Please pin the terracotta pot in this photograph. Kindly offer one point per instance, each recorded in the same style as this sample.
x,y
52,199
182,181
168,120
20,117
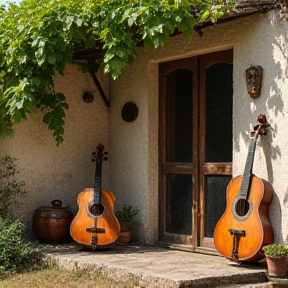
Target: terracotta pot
x,y
125,237
52,224
125,225
277,266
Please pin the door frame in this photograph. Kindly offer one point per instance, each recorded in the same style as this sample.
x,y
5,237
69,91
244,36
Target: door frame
x,y
185,168
197,168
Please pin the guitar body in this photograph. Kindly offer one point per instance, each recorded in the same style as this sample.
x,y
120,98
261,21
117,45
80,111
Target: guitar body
x,y
85,219
255,223
95,225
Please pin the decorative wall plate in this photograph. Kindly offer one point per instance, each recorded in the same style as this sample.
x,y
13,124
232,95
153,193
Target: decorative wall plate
x,y
129,112
87,97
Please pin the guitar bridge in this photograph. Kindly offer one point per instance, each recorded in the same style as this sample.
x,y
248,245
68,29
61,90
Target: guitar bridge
x,y
95,230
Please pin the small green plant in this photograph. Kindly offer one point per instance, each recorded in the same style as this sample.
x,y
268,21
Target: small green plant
x,y
16,254
127,213
276,250
10,187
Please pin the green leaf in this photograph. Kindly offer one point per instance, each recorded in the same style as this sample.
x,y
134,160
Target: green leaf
x,y
59,139
52,58
47,118
36,80
65,105
41,43
19,104
60,97
17,117
59,130
204,16
79,22
58,112
132,19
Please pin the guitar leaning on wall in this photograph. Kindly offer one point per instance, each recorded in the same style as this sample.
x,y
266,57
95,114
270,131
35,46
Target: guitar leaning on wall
x,y
95,225
244,228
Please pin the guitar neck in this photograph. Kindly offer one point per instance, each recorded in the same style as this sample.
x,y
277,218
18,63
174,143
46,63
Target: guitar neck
x,y
97,182
246,179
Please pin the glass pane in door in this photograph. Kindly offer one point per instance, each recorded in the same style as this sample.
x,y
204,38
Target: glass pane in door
x,y
179,116
218,134
178,204
215,201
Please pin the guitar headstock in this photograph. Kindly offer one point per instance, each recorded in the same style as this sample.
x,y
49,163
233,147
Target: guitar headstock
x,y
99,155
261,127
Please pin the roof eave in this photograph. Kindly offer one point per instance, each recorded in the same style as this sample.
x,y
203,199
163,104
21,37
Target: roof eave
x,y
243,9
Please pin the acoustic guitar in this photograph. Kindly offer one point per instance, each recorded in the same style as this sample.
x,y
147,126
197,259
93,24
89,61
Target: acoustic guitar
x,y
95,225
244,228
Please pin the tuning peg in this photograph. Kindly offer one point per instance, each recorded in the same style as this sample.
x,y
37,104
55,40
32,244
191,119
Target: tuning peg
x,y
105,153
93,153
105,158
93,160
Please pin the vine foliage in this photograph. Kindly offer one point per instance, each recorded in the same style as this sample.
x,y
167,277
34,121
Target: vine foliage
x,y
11,190
38,39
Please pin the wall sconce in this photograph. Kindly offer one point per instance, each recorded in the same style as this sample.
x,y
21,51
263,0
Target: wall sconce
x,y
254,80
87,97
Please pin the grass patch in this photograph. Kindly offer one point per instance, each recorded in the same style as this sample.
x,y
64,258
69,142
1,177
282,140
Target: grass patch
x,y
53,276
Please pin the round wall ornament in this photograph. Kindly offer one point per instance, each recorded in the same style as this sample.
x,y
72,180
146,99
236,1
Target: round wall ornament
x,y
129,112
87,97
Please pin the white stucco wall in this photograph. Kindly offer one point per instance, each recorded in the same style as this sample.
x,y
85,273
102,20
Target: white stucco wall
x,y
132,170
134,146
52,172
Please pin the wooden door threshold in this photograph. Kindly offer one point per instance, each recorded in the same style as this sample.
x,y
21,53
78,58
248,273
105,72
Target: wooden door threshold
x,y
188,248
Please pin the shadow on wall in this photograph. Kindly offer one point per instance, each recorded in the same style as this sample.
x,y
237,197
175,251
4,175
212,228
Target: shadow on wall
x,y
272,152
276,104
275,79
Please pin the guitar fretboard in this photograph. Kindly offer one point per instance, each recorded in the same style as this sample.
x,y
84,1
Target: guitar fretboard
x,y
97,182
246,179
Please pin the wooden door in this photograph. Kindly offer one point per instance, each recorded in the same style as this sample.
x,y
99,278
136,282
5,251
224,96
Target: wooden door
x,y
195,147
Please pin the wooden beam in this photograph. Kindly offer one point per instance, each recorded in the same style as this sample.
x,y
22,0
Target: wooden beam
x,y
93,54
97,83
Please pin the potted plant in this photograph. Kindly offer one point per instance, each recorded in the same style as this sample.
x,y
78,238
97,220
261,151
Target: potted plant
x,y
125,216
277,259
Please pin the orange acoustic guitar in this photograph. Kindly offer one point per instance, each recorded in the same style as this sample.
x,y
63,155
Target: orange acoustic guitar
x,y
95,225
244,228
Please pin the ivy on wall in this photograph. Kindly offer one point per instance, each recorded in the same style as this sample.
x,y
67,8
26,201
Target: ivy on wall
x,y
38,39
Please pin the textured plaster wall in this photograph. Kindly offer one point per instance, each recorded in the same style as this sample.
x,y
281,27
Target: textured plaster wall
x,y
52,172
259,40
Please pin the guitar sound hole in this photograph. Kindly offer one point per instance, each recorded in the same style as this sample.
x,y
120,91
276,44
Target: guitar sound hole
x,y
97,209
242,207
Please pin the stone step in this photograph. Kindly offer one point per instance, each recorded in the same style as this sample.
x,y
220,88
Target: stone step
x,y
156,267
273,283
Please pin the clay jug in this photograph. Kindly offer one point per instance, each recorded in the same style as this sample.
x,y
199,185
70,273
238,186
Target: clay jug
x,y
52,224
